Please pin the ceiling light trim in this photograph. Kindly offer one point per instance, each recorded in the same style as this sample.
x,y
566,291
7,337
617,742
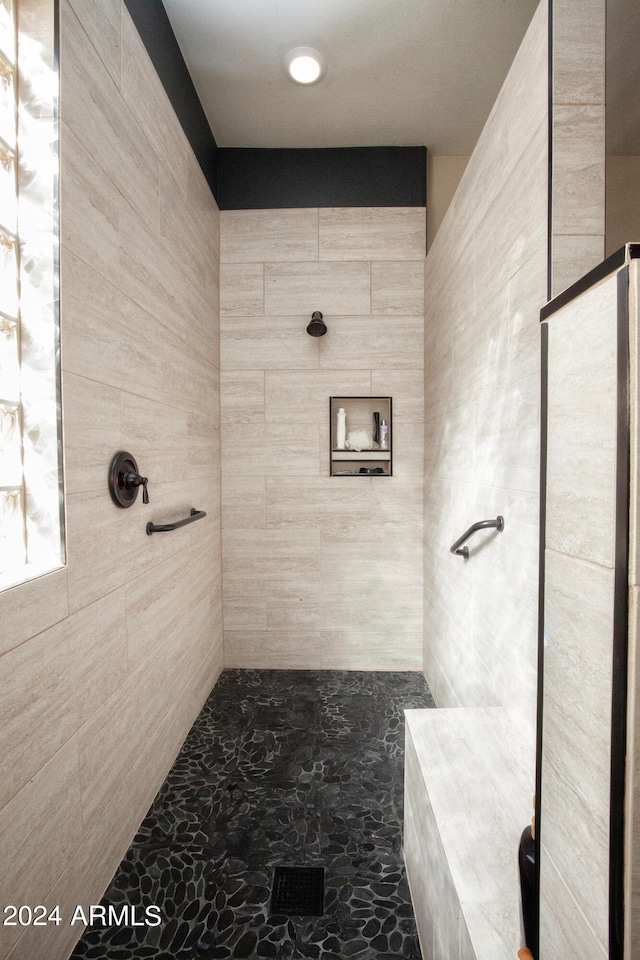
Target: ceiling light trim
x,y
305,66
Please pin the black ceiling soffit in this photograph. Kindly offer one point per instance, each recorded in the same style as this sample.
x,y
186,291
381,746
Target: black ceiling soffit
x,y
246,179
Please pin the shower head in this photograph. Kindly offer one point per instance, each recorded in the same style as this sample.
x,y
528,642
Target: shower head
x,y
317,327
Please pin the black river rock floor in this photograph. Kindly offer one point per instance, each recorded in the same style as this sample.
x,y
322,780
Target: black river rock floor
x,y
293,768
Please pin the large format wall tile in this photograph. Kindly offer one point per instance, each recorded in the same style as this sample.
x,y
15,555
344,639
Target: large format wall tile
x,y
577,94
96,658
407,389
242,395
472,889
347,648
104,29
573,255
94,517
481,368
485,283
93,427
78,663
564,930
91,204
582,427
579,613
96,113
579,50
250,449
31,607
304,395
373,343
154,609
504,421
244,610
578,151
148,102
397,288
270,650
158,434
331,288
106,750
523,357
372,233
243,503
273,343
271,554
269,235
241,290
41,830
118,329
320,571
316,500
527,93
87,875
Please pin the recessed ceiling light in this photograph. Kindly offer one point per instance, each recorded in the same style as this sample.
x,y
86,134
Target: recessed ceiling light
x,y
305,65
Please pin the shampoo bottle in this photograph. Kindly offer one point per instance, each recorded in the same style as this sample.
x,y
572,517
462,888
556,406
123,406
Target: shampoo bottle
x,y
384,435
341,428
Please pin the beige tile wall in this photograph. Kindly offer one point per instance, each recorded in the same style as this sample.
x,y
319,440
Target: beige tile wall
x,y
485,283
578,612
320,572
106,663
459,838
443,177
578,139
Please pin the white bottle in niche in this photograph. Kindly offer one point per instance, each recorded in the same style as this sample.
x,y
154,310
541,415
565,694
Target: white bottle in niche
x,y
384,435
341,428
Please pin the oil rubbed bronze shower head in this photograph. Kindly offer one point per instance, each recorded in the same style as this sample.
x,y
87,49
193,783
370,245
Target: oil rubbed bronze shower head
x,y
317,327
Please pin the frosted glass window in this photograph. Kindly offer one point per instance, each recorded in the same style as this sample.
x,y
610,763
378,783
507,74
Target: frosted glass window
x,y
12,531
8,196
9,359
8,275
7,30
31,501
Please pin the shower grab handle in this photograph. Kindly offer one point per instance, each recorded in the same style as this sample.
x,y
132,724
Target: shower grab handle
x,y
461,551
165,527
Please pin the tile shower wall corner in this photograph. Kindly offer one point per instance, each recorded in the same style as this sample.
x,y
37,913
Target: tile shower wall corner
x,y
97,658
578,148
320,572
485,281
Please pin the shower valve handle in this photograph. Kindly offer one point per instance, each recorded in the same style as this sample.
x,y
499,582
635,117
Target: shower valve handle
x,y
131,479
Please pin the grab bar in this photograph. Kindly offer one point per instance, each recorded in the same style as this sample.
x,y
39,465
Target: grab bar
x,y
165,527
498,523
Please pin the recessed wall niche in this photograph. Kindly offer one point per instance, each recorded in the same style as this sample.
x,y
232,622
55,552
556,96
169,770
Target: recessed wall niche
x,y
360,436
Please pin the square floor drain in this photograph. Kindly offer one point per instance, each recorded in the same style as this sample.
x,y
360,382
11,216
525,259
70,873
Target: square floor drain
x,y
298,891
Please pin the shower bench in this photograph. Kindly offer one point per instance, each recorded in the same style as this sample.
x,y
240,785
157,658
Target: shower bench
x,y
468,797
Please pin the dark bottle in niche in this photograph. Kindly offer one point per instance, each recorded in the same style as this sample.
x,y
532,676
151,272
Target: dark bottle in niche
x,y
376,427
529,889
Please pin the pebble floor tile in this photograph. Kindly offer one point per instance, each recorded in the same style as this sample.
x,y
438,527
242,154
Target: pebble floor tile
x,y
294,768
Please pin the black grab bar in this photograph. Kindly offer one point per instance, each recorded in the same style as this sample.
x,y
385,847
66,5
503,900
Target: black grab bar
x,y
165,527
498,523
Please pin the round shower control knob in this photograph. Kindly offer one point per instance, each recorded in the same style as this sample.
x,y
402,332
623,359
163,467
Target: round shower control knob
x,y
125,480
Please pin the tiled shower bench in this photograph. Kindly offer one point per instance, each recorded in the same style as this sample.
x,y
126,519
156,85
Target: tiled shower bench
x,y
468,793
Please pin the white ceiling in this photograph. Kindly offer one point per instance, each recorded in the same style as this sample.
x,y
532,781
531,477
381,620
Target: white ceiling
x,y
399,72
